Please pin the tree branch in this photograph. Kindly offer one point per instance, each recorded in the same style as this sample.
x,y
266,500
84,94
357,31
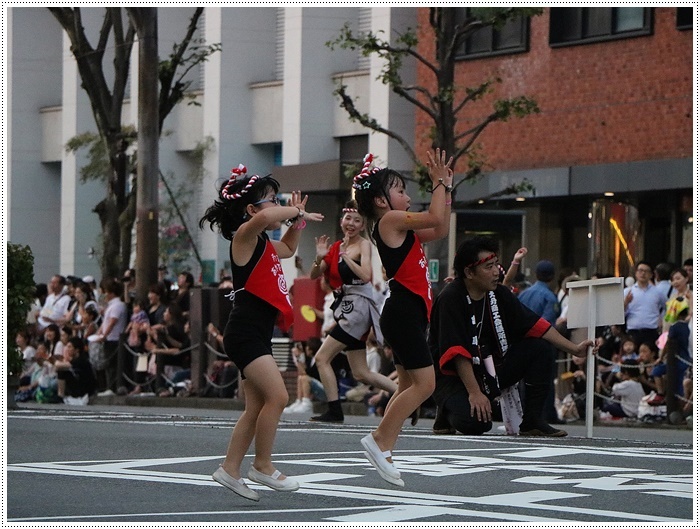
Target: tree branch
x,y
349,105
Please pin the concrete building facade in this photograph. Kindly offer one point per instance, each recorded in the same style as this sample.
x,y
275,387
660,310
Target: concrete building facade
x,y
266,100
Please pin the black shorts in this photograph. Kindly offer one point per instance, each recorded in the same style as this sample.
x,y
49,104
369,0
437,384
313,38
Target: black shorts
x,y
404,322
351,343
243,347
248,332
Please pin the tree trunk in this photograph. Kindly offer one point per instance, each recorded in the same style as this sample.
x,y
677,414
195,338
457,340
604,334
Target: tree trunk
x,y
109,219
146,21
126,224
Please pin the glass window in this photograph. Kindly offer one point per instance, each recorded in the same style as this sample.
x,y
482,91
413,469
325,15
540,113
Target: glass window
x,y
629,18
684,18
577,25
512,37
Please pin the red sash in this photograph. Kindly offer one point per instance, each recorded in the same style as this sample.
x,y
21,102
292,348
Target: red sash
x,y
414,274
267,282
332,259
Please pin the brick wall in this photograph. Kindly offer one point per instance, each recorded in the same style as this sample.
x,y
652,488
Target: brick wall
x,y
616,101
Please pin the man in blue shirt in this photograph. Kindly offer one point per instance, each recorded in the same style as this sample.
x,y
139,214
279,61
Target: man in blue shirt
x,y
644,304
539,298
543,302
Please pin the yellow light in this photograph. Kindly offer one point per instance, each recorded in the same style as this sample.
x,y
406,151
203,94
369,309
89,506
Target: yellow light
x,y
622,239
690,220
481,201
520,199
590,235
609,194
590,215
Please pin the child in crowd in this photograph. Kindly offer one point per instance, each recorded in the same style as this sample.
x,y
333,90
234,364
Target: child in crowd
x,y
29,379
246,207
137,331
90,319
648,357
381,198
347,266
47,382
138,325
628,350
628,393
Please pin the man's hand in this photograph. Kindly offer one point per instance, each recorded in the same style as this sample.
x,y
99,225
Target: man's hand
x,y
480,406
582,348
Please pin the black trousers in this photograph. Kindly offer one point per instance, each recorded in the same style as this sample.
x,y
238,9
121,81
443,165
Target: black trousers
x,y
529,360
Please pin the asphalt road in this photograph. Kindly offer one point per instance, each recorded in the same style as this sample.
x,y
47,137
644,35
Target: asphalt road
x,y
153,465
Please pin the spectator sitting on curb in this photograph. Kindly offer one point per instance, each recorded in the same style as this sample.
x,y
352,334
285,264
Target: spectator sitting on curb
x,y
628,392
76,379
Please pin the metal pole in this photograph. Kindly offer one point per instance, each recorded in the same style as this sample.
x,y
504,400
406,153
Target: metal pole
x,y
590,363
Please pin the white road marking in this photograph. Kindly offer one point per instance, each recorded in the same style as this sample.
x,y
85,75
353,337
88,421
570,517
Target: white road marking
x,y
398,505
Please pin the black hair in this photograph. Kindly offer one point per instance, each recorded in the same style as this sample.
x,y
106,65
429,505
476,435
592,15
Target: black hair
x,y
314,343
681,271
652,347
41,290
160,290
643,262
468,252
189,278
375,184
228,214
78,344
664,271
630,368
110,284
92,311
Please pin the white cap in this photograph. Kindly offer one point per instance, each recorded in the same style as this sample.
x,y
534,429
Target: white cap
x,y
88,279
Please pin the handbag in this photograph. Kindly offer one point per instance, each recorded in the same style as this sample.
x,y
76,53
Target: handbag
x,y
96,351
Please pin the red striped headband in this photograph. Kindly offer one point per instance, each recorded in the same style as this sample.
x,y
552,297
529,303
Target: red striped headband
x,y
365,173
349,210
236,172
482,261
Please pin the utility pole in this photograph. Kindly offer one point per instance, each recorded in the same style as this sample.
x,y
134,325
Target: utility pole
x,y
146,23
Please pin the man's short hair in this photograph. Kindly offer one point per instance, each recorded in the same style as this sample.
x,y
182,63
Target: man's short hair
x,y
664,270
110,284
544,271
468,252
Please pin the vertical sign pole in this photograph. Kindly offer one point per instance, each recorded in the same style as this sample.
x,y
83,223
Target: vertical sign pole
x,y
590,362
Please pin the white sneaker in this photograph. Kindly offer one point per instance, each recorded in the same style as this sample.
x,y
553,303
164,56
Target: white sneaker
x,y
106,393
292,408
305,406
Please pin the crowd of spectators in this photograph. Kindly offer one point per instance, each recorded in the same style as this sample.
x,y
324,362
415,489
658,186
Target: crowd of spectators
x,y
82,339
644,367
77,330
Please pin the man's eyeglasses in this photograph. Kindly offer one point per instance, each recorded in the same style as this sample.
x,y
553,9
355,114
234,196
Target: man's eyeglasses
x,y
645,270
274,200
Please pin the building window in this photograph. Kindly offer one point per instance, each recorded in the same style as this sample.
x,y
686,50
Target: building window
x,y
684,18
277,154
512,37
581,25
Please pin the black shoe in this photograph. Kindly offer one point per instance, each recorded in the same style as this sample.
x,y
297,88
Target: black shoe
x,y
328,417
442,426
541,429
414,417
